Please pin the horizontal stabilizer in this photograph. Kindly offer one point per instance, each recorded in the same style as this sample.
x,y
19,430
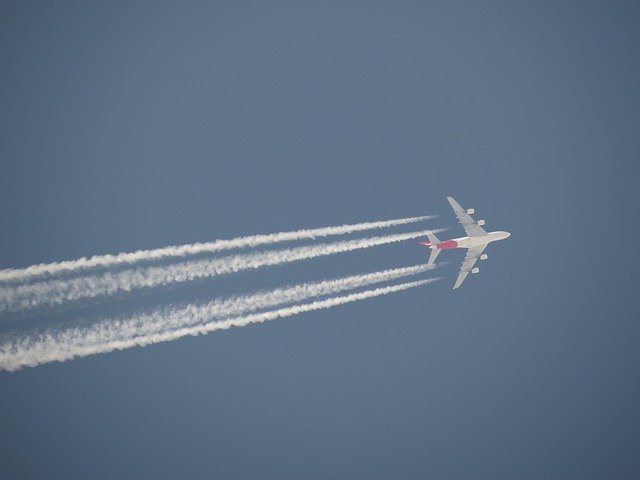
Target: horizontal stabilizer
x,y
432,238
433,256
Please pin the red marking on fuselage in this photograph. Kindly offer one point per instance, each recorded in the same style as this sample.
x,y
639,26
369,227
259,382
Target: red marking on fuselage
x,y
447,245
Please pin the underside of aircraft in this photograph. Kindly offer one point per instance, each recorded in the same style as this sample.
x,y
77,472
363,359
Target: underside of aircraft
x,y
475,242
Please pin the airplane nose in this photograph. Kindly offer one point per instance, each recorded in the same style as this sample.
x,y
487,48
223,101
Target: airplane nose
x,y
507,235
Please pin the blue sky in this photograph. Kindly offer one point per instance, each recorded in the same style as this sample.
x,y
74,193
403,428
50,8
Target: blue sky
x,y
131,125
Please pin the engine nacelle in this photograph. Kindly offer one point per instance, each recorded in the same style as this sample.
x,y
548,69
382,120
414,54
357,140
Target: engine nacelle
x,y
484,256
475,270
470,211
481,222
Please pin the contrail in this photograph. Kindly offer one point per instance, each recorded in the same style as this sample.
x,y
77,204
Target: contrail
x,y
59,291
173,317
110,331
105,261
61,346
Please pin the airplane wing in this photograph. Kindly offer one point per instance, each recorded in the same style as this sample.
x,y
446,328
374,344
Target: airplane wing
x,y
468,223
469,261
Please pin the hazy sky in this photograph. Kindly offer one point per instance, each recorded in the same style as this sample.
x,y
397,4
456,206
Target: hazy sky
x,y
129,125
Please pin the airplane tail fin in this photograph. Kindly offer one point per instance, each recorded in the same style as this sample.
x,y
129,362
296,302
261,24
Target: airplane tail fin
x,y
433,256
432,238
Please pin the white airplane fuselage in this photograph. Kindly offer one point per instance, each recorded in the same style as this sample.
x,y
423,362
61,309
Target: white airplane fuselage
x,y
468,242
475,242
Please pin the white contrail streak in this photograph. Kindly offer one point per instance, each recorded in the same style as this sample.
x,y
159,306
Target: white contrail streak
x,y
60,346
93,338
59,291
172,317
105,261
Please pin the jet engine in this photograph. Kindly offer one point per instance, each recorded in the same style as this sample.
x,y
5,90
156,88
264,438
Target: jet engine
x,y
471,211
475,270
481,222
484,256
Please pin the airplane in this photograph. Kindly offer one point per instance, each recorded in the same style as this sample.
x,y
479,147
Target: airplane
x,y
476,241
